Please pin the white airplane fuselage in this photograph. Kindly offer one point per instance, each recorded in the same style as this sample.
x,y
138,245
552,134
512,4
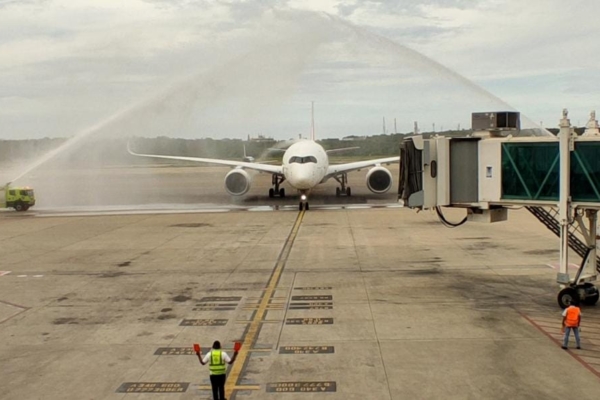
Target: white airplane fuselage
x,y
305,164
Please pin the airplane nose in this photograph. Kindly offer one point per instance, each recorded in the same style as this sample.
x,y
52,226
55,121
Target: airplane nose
x,y
301,179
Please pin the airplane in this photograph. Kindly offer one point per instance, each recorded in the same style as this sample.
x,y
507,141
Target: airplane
x,y
247,158
305,164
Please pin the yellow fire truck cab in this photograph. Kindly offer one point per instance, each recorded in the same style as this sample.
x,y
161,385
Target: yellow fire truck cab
x,y
19,198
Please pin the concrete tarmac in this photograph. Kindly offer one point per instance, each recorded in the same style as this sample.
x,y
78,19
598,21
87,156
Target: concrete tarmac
x,y
333,303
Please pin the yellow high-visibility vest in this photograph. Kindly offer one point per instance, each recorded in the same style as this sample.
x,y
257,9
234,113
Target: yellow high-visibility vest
x,y
217,365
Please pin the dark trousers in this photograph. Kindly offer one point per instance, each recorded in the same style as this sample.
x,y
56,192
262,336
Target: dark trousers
x,y
218,386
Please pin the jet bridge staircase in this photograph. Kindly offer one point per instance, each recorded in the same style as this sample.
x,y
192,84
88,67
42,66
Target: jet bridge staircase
x,y
550,219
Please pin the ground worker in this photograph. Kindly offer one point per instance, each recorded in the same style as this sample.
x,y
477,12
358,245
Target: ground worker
x,y
571,321
217,359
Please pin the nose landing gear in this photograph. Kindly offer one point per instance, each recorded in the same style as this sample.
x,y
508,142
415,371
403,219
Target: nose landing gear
x,y
303,205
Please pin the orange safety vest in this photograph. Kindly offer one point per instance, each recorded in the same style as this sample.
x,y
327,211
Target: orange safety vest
x,y
572,318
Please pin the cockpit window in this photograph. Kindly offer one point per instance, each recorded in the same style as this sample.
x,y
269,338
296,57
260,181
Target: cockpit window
x,y
303,160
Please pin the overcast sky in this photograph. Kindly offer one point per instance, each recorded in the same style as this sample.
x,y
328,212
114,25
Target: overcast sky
x,y
185,68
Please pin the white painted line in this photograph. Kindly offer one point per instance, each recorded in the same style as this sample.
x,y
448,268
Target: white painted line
x,y
21,276
210,208
557,266
38,276
2,273
129,212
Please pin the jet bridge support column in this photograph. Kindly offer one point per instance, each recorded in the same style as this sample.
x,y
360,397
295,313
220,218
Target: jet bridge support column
x,y
564,205
580,287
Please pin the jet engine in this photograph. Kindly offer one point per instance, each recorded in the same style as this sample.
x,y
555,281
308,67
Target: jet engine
x,y
379,180
237,182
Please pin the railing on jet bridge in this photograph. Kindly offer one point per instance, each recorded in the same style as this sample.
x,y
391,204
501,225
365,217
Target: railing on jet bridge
x,y
549,219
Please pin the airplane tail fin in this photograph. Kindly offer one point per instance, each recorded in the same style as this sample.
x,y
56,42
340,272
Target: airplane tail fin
x,y
312,123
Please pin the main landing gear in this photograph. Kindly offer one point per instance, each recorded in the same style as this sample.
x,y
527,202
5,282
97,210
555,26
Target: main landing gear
x,y
276,190
343,189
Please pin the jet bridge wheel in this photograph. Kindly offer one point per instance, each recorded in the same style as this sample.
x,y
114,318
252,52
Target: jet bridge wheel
x,y
591,294
567,296
591,300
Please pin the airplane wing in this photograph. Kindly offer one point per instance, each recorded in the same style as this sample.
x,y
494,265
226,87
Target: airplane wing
x,y
341,150
336,169
272,169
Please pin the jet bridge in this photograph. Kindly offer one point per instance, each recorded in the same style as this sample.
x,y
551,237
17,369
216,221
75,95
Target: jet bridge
x,y
495,168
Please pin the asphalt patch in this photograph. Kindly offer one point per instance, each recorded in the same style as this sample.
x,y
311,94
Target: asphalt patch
x,y
429,271
192,225
542,252
65,321
112,274
181,298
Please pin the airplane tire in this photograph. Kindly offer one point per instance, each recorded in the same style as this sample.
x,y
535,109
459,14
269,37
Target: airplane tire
x,y
348,192
337,192
306,207
282,192
300,206
271,193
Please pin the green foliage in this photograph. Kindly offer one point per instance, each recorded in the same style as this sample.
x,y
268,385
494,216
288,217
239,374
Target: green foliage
x,y
103,151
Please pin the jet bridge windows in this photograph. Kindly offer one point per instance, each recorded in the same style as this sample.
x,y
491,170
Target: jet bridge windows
x,y
303,160
530,171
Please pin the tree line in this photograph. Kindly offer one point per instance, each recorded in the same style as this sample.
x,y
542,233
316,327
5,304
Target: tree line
x,y
110,151
102,151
